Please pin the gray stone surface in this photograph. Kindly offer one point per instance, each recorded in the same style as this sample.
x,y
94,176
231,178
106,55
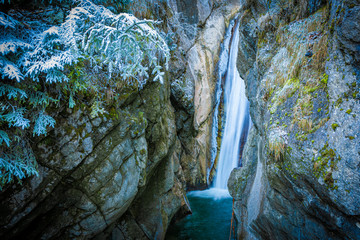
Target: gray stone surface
x,y
125,177
310,190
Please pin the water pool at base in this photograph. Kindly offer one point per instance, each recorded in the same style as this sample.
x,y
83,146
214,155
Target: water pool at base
x,y
212,208
210,218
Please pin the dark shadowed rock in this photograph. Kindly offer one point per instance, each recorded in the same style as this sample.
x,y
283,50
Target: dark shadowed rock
x,y
349,32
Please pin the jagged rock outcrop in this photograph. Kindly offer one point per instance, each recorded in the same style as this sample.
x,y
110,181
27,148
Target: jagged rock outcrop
x,y
92,171
300,63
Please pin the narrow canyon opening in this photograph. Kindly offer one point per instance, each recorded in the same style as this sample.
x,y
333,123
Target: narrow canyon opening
x,y
211,216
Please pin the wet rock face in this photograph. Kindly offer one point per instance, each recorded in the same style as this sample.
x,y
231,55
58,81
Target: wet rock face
x,y
91,170
306,113
196,29
193,78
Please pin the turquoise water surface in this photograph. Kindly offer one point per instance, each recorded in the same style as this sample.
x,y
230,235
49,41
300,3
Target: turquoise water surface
x,y
210,218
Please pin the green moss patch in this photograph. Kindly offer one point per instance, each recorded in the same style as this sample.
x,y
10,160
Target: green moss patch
x,y
325,164
334,126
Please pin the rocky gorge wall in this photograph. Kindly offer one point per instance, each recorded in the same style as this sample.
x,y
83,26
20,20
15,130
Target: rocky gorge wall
x,y
194,78
91,171
300,62
124,175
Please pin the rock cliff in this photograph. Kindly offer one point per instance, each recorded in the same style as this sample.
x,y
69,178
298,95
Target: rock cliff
x,y
194,78
300,176
92,171
124,175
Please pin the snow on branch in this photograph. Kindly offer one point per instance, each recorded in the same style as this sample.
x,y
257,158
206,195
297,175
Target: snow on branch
x,y
42,64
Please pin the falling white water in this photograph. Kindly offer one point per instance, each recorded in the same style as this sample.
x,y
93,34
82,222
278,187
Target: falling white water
x,y
236,112
222,69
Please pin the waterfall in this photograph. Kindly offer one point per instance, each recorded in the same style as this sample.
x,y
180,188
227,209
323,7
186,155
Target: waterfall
x,y
222,69
236,117
212,216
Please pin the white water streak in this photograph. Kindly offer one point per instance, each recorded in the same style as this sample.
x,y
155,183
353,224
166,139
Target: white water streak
x,y
236,105
223,65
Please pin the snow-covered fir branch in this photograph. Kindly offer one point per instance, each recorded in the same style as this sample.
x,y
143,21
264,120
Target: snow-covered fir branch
x,y
42,65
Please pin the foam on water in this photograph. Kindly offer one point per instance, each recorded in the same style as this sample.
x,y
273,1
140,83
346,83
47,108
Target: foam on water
x,y
213,193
